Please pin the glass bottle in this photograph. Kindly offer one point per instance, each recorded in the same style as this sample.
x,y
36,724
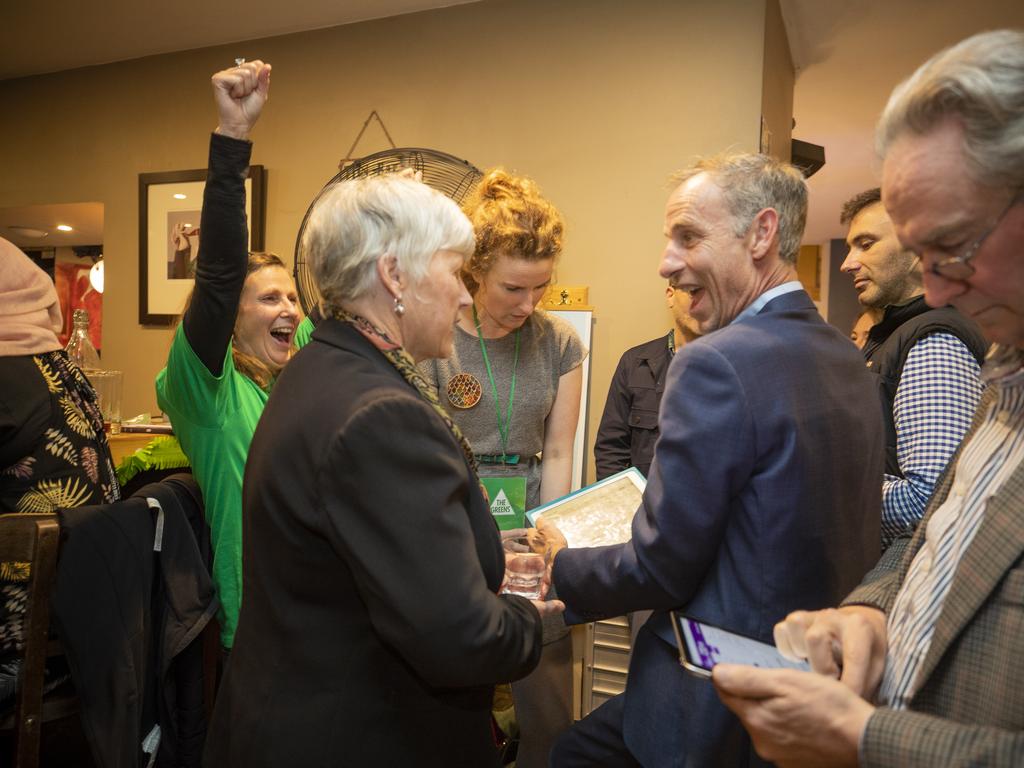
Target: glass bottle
x,y
80,350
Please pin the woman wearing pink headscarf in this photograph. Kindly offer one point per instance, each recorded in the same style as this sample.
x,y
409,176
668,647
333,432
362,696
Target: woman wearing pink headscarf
x,y
53,453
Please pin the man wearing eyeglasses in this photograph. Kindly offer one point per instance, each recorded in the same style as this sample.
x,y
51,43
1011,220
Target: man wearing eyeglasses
x,y
929,650
927,362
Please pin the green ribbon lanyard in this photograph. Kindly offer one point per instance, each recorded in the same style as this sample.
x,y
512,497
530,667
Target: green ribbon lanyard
x,y
504,425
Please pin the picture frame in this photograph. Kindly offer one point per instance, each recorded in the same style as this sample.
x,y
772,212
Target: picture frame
x,y
169,236
599,514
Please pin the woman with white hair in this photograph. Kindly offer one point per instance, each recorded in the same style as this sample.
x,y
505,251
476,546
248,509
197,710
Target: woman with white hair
x,y
371,632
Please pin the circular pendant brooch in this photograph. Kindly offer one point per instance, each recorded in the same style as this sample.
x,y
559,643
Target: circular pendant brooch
x,y
464,390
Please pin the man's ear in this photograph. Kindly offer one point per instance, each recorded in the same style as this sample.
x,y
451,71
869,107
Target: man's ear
x,y
764,233
389,274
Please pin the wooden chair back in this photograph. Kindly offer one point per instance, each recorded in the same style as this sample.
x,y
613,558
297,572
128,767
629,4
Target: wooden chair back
x,y
31,539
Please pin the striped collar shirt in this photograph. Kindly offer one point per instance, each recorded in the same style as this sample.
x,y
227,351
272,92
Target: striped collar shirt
x,y
991,455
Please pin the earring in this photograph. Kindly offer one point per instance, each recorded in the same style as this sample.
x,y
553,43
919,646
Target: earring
x,y
399,306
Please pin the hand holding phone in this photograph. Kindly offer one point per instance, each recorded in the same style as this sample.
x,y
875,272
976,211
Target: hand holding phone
x,y
702,645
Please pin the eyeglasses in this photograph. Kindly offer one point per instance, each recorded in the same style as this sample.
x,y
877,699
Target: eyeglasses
x,y
959,267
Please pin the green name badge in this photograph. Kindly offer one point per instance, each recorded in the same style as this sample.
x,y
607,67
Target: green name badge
x,y
508,500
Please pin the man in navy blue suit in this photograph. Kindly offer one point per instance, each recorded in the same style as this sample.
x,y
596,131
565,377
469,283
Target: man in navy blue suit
x,y
763,494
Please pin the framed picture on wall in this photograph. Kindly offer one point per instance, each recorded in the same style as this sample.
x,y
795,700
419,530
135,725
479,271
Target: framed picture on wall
x,y
170,236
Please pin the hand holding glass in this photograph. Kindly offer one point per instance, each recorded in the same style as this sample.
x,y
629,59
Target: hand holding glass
x,y
525,575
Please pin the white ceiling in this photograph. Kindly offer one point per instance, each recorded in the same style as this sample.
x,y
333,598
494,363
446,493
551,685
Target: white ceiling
x,y
85,219
849,54
54,35
39,36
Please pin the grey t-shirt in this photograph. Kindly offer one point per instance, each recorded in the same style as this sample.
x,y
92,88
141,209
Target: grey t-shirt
x,y
548,348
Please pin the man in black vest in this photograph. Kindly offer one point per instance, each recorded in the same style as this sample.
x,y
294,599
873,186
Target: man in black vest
x,y
927,360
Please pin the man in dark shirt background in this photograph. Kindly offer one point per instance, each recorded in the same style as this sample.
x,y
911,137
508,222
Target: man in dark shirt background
x,y
629,424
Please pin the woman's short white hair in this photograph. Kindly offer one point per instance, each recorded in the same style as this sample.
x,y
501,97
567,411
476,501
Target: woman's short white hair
x,y
358,221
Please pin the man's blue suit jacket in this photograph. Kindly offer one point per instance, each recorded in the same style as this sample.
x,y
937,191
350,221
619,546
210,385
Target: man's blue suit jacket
x,y
763,498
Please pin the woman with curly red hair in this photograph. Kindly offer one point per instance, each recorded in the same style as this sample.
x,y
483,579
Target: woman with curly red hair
x,y
513,384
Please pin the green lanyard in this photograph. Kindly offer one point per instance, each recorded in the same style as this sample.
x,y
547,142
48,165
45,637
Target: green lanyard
x,y
504,425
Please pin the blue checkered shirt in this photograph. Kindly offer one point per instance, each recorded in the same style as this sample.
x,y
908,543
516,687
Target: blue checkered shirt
x,y
938,392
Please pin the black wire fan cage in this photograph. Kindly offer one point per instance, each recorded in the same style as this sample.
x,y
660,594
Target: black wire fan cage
x,y
445,173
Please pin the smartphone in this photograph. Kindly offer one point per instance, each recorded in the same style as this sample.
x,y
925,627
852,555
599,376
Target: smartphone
x,y
701,646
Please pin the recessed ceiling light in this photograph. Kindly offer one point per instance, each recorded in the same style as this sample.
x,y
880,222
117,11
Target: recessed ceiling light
x,y
179,196
28,231
64,228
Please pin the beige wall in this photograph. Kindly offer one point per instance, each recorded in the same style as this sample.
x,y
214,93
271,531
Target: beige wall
x,y
599,100
778,79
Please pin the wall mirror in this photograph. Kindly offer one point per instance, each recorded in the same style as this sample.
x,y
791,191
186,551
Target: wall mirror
x,y
66,240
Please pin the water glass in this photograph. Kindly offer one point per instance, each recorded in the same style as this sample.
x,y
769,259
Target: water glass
x,y
524,574
108,386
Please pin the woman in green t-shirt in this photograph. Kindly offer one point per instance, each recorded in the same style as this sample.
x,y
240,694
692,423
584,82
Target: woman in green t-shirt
x,y
234,337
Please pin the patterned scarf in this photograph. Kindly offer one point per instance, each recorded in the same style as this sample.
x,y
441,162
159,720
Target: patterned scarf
x,y
405,365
